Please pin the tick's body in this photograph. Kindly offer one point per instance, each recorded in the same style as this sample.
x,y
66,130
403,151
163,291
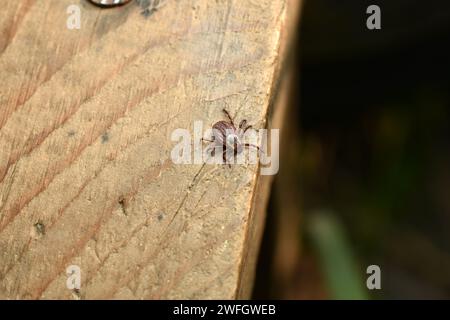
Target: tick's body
x,y
227,136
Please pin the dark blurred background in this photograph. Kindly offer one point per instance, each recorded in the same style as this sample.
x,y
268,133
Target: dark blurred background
x,y
365,177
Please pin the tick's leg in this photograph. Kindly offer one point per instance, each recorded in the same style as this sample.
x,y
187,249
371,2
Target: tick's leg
x,y
252,145
209,148
243,126
225,158
228,116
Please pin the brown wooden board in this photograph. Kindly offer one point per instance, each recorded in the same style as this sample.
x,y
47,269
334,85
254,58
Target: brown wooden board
x,y
86,117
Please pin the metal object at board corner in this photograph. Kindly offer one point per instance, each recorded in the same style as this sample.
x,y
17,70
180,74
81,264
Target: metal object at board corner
x,y
109,3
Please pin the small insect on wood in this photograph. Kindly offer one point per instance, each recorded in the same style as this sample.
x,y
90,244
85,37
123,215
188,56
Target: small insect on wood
x,y
229,138
109,3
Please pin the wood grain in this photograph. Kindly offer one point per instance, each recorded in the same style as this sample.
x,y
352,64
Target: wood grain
x,y
86,118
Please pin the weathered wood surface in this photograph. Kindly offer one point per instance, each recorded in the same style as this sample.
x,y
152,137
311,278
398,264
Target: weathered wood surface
x,y
86,118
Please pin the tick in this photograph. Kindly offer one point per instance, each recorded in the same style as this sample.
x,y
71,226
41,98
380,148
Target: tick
x,y
226,135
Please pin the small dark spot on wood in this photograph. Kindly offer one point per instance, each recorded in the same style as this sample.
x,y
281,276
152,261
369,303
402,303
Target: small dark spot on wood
x,y
77,293
105,137
71,133
123,205
143,3
160,216
148,12
148,6
40,228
